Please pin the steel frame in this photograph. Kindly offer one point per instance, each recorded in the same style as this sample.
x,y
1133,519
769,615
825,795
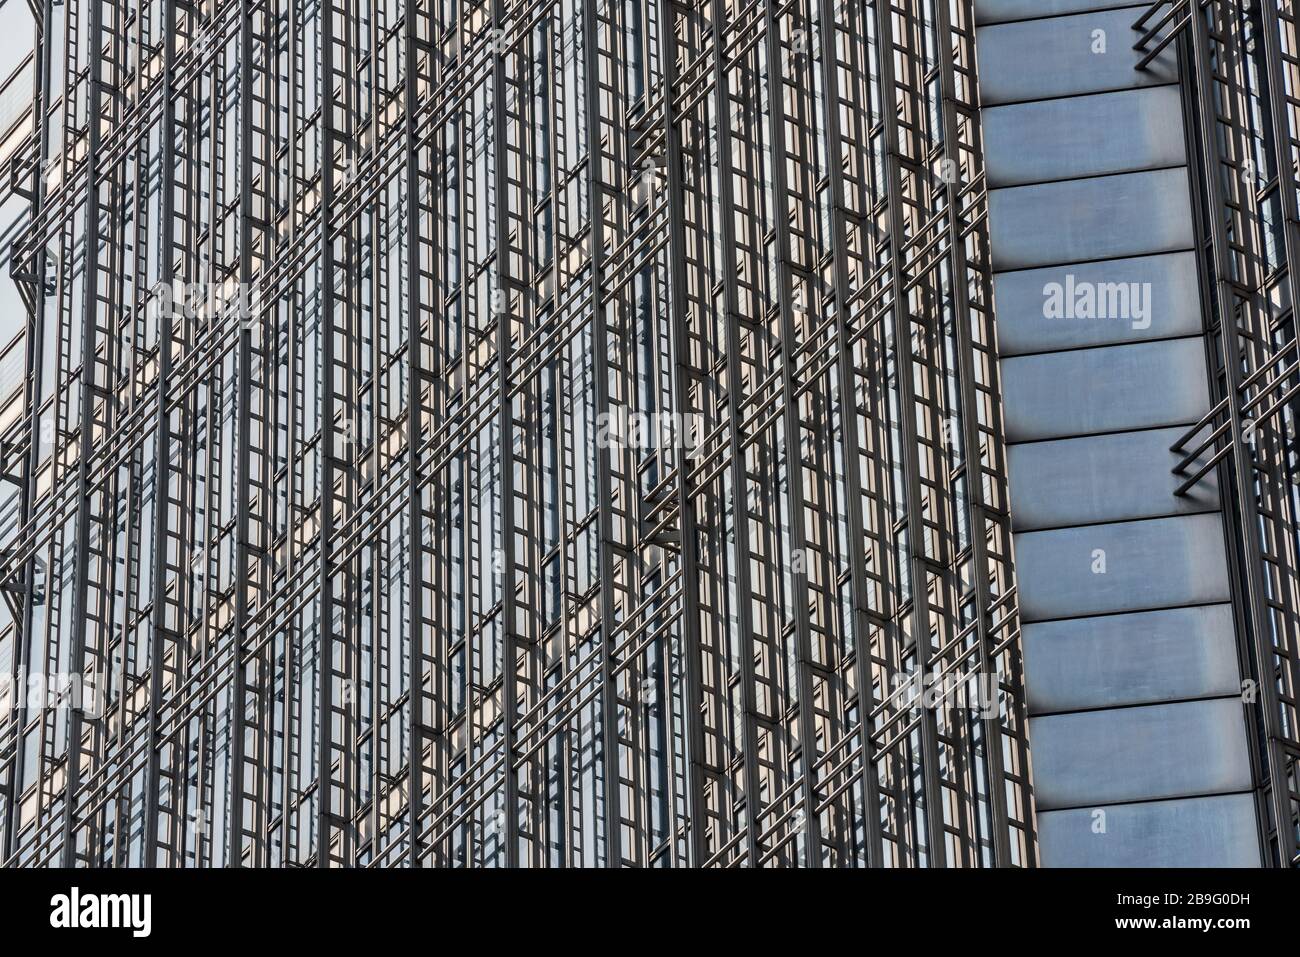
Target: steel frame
x,y
366,584
1241,69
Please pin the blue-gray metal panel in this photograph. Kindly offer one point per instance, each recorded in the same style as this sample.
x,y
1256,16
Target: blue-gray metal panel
x,y
1101,217
1141,658
1115,388
1037,59
1004,11
1058,139
1102,478
1129,566
1180,749
1188,832
1167,303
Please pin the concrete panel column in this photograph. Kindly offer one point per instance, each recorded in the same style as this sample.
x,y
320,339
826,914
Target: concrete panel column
x,y
1137,730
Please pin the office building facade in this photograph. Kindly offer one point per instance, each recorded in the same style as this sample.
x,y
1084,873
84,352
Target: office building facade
x,y
568,433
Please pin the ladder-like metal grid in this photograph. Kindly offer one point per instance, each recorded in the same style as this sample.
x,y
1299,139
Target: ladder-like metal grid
x,y
1241,65
367,576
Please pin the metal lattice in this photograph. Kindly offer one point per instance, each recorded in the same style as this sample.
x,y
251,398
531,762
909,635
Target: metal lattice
x,y
345,532
1242,62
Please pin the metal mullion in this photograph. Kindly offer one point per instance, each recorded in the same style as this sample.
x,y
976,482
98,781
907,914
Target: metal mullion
x,y
559,379
505,426
242,438
903,360
846,376
35,335
600,353
325,494
680,336
1284,162
162,426
791,428
415,521
293,428
88,327
1255,590
996,775
739,483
